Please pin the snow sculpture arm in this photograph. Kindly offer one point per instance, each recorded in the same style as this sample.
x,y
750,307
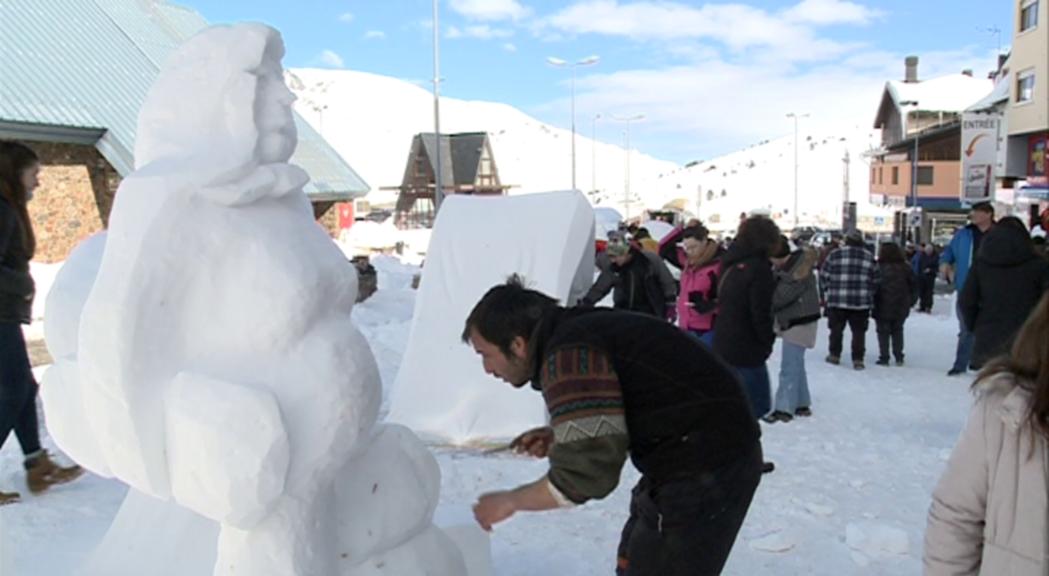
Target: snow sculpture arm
x,y
228,450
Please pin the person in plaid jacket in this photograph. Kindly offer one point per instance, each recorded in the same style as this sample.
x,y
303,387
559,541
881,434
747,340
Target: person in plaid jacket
x,y
848,279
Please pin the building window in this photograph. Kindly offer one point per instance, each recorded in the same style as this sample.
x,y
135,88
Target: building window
x,y
895,175
924,175
879,175
1025,86
1028,15
874,172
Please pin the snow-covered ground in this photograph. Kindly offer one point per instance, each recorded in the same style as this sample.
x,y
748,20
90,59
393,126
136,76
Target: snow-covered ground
x,y
848,496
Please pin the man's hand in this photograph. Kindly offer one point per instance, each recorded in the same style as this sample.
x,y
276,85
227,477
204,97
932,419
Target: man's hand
x,y
536,442
493,508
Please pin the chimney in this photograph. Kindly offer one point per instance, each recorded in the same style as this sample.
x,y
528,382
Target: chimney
x,y
911,63
967,72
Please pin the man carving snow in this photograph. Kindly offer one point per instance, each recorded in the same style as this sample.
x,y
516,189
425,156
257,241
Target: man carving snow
x,y
619,384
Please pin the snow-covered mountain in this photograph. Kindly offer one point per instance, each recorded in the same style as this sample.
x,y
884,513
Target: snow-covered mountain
x,y
371,119
761,177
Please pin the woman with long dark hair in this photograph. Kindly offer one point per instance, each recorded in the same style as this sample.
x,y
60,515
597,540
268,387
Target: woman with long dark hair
x,y
19,167
988,513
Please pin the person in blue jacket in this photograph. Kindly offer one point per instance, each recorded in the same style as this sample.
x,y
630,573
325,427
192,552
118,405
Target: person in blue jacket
x,y
956,260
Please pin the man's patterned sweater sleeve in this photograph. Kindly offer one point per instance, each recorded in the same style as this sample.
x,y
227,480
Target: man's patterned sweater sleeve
x,y
585,401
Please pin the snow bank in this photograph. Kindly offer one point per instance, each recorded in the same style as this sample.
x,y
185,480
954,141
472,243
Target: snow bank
x,y
441,388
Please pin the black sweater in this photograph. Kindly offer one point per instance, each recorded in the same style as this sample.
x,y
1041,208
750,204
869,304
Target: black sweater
x,y
16,285
672,386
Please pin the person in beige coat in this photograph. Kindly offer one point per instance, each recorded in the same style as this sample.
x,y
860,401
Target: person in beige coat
x,y
989,512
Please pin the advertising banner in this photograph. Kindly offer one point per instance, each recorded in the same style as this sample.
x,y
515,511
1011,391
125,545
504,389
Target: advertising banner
x,y
979,155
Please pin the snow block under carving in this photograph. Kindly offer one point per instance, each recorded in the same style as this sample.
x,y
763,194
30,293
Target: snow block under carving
x,y
441,389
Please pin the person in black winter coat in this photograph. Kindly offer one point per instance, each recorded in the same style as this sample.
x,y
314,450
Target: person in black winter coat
x,y
893,299
743,330
1005,283
639,281
926,265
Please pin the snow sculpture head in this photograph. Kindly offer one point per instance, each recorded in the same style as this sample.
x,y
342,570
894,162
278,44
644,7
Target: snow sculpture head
x,y
231,113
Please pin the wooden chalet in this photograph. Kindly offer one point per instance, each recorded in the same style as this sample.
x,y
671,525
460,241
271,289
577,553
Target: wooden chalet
x,y
467,167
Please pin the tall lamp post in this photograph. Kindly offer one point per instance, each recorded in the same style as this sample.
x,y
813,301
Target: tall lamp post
x,y
626,134
438,188
796,117
593,155
559,63
914,165
914,156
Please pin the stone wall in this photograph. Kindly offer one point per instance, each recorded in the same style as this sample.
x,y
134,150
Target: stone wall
x,y
73,201
75,197
328,217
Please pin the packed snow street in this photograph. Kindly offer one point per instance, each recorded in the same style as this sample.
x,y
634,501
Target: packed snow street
x,y
520,287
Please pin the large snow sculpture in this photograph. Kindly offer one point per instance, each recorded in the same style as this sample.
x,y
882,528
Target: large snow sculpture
x,y
216,365
477,242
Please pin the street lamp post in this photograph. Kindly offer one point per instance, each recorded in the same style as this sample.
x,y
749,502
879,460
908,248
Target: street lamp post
x,y
626,177
914,160
796,117
559,63
438,188
593,155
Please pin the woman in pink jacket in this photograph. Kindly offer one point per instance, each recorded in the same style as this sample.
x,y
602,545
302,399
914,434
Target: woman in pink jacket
x,y
699,259
989,512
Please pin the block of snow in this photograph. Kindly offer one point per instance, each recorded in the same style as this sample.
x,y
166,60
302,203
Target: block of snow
x,y
69,291
227,448
179,542
66,418
389,494
477,243
431,553
475,546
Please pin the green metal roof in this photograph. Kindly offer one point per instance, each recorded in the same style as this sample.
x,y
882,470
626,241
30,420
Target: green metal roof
x,y
73,69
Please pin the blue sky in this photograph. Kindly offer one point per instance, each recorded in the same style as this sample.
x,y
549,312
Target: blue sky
x,y
709,77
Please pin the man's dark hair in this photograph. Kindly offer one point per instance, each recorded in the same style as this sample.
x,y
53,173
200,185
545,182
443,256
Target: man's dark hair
x,y
758,234
507,311
984,207
642,233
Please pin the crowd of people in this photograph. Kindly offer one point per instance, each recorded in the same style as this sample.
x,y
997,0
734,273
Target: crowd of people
x,y
683,402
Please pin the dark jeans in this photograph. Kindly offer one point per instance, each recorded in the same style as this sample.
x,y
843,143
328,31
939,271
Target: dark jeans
x,y
17,390
925,289
964,350
757,387
890,331
687,527
857,321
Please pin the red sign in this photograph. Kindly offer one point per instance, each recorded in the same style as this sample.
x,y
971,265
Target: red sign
x,y
1036,160
345,215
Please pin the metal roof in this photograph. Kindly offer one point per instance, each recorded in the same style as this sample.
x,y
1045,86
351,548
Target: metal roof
x,y
78,67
